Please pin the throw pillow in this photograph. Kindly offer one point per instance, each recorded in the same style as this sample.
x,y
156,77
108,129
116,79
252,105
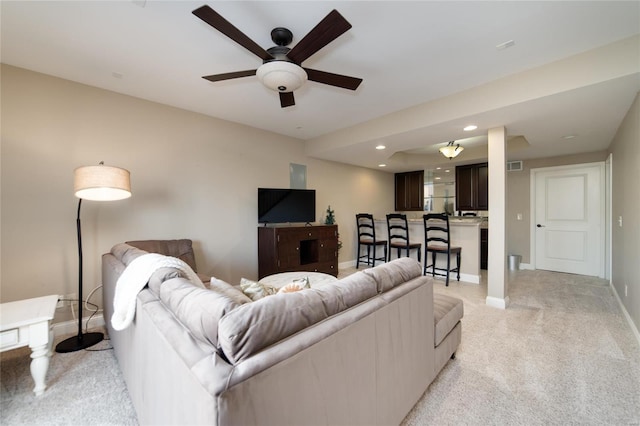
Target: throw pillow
x,y
256,291
295,285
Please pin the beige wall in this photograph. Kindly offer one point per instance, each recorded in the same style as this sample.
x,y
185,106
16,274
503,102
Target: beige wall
x,y
625,150
196,176
518,198
193,176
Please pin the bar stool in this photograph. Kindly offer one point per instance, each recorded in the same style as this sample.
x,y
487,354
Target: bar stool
x,y
398,230
367,237
437,240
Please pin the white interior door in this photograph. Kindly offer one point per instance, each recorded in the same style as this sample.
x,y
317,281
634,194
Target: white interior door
x,y
569,219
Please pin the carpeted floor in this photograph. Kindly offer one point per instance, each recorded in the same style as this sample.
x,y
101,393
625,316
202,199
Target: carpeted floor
x,y
562,353
83,388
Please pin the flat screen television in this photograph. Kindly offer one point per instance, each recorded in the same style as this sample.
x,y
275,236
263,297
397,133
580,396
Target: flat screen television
x,y
286,205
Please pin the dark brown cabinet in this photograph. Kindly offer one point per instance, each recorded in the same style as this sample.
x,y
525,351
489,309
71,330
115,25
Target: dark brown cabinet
x,y
472,187
409,192
484,248
483,187
464,188
297,248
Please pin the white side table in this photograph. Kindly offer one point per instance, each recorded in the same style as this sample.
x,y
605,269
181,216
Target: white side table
x,y
26,322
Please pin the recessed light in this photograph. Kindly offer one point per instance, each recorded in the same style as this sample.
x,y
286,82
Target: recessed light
x,y
447,170
380,147
438,168
470,128
505,45
569,137
438,178
382,165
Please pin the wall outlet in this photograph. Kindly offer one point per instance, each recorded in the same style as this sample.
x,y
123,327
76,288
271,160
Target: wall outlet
x,y
65,300
620,221
519,216
626,290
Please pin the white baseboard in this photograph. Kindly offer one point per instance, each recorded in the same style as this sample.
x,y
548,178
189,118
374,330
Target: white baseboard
x,y
527,266
71,327
633,326
348,264
467,278
496,302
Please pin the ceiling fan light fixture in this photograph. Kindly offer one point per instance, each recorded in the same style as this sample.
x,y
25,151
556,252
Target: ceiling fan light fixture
x,y
450,151
281,76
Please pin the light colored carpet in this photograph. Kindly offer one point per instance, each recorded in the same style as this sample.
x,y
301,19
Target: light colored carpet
x,y
562,353
83,388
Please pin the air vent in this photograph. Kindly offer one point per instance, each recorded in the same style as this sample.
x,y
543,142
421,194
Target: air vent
x,y
514,166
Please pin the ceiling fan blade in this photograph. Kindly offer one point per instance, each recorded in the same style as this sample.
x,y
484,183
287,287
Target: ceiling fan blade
x,y
286,99
214,19
331,79
229,75
330,28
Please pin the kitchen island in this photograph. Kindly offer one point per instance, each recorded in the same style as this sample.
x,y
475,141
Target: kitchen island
x,y
465,233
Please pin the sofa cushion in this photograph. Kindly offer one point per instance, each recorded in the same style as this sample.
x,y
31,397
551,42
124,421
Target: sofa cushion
x,y
350,290
161,275
255,326
447,311
198,309
234,293
393,273
126,253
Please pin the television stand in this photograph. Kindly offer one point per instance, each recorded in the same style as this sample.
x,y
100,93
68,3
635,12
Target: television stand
x,y
312,248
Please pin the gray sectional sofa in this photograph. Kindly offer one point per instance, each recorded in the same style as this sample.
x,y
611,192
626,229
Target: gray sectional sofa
x,y
359,351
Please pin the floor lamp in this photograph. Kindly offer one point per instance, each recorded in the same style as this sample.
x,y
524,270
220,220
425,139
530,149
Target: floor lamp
x,y
95,183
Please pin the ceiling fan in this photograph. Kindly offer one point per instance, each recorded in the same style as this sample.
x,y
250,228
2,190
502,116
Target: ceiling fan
x,y
281,68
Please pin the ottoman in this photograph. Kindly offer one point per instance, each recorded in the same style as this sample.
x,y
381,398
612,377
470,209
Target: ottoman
x,y
284,278
447,313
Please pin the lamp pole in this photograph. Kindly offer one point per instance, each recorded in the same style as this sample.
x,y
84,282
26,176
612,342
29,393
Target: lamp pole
x,y
82,340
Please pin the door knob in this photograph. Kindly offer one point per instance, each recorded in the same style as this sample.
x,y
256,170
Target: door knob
x,y
540,226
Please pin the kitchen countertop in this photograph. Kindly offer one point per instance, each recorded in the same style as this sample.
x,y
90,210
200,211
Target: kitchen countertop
x,y
454,220
465,233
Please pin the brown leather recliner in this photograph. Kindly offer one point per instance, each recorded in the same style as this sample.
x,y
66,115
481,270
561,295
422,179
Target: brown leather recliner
x,y
181,249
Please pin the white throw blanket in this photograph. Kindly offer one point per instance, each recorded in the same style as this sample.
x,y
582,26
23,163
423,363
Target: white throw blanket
x,y
135,277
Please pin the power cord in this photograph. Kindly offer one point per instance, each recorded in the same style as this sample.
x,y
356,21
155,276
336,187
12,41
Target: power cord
x,y
95,310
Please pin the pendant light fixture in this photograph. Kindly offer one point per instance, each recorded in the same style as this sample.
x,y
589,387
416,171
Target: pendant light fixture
x,y
450,151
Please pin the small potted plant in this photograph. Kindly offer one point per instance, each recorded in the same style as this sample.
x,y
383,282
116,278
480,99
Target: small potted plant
x,y
330,219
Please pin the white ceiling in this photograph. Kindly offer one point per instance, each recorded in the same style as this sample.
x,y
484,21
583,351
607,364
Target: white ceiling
x,y
413,56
